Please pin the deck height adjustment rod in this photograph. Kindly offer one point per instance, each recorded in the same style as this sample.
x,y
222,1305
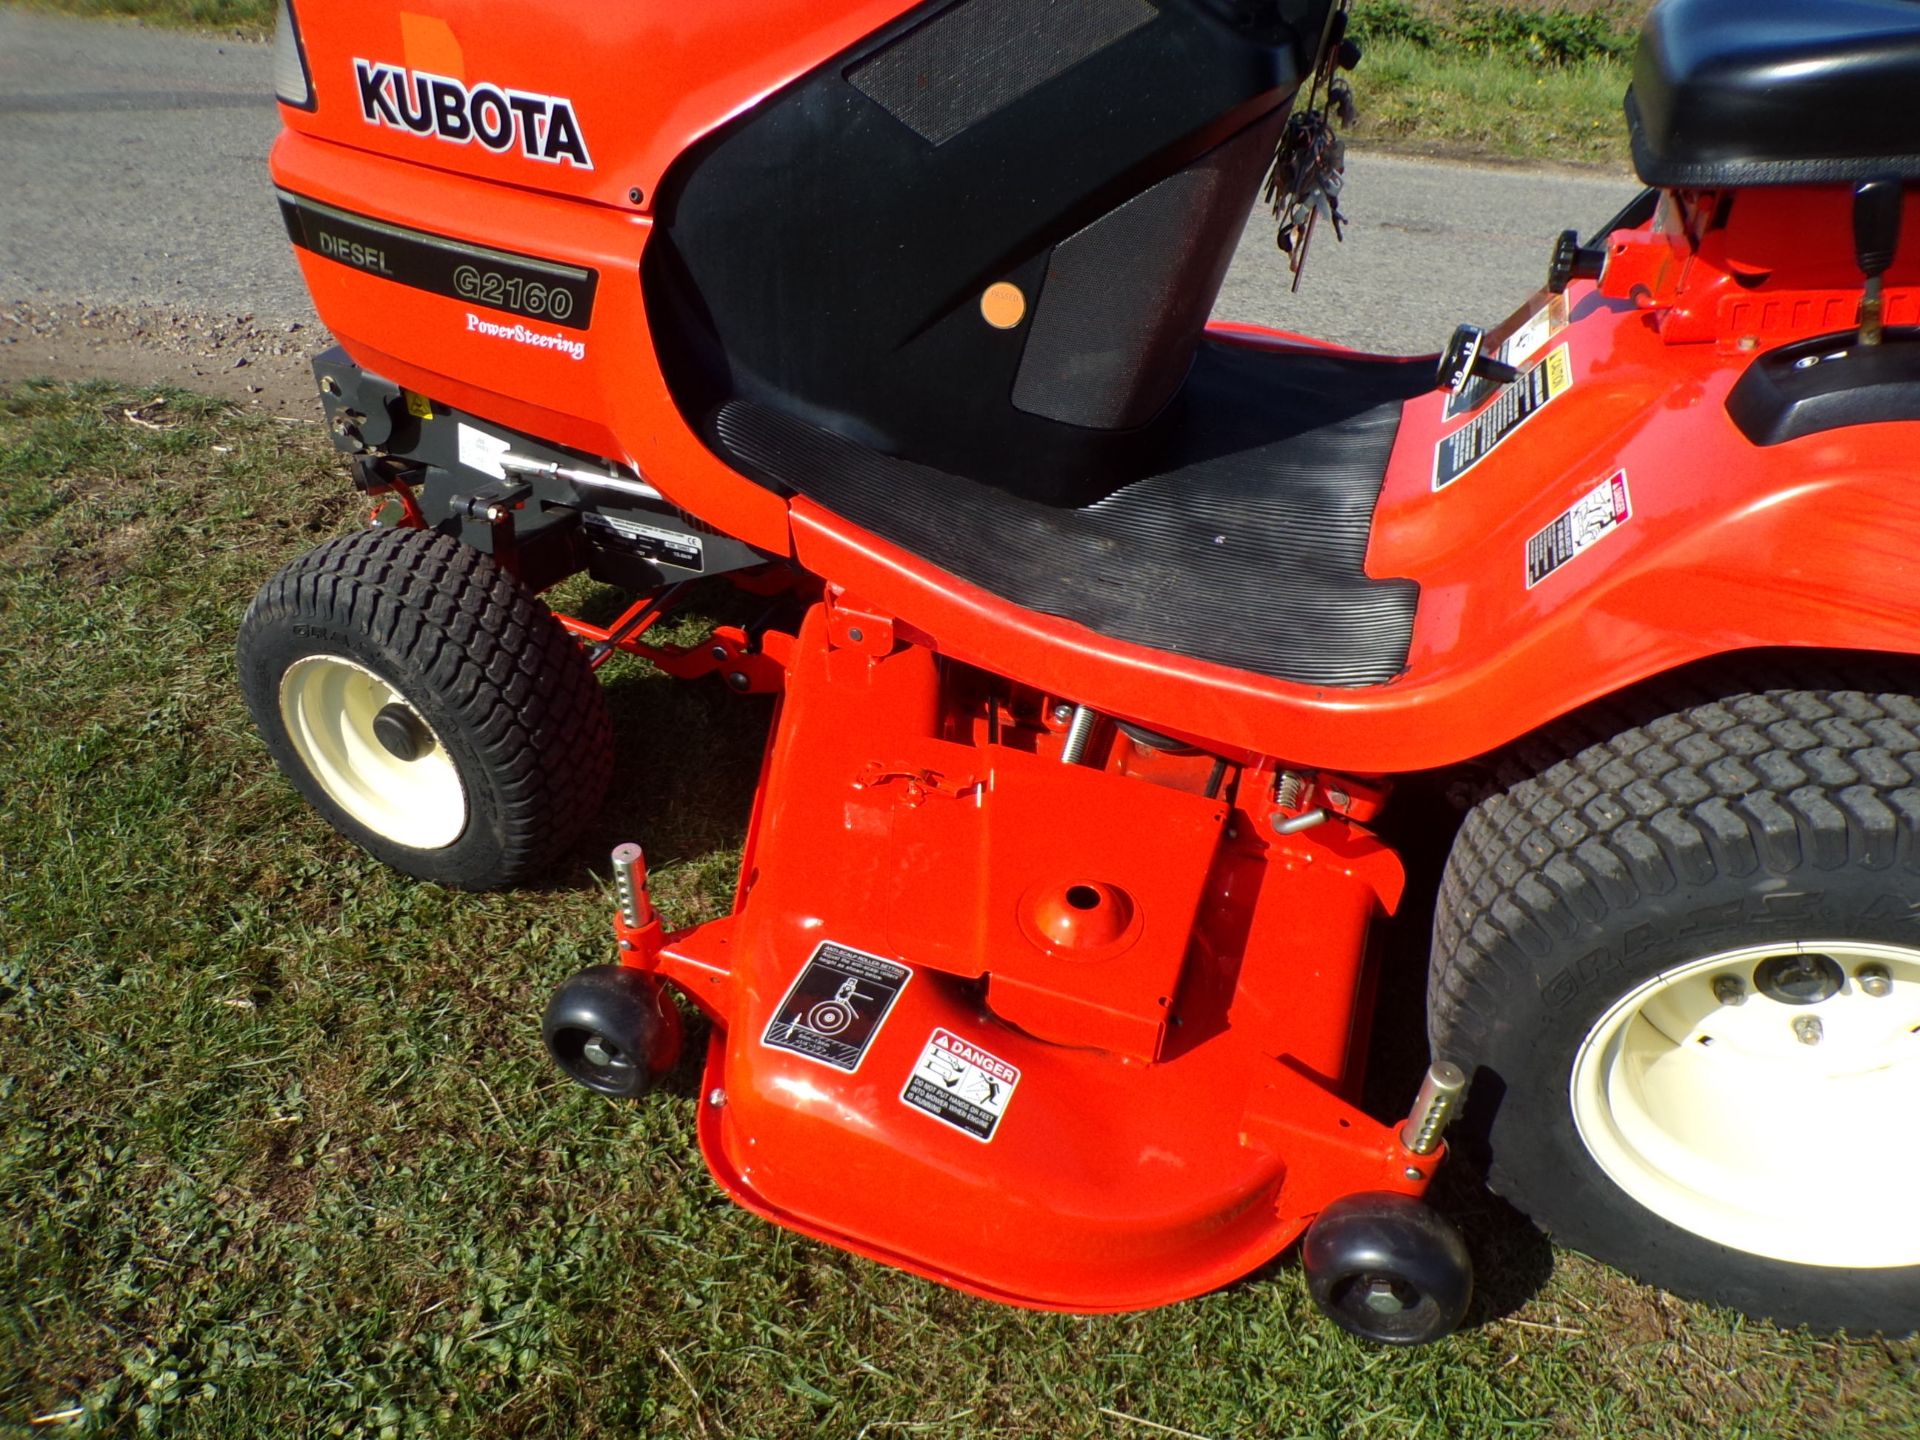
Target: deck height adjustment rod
x,y
1439,1097
630,885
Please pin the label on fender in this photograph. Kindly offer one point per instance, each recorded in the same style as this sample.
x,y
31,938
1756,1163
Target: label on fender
x,y
835,1006
1516,404
961,1085
1588,521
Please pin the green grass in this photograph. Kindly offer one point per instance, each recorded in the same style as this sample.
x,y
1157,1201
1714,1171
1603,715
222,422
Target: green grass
x,y
1415,98
280,1154
1512,81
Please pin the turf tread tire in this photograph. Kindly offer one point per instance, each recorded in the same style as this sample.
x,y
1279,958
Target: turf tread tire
x,y
509,691
1588,844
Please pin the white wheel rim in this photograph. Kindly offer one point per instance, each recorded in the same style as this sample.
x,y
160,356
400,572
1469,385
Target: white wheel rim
x,y
328,706
1723,1120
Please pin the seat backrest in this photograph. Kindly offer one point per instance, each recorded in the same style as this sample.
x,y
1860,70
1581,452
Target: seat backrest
x,y
1776,92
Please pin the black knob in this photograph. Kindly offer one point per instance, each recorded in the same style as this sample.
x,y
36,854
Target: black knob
x,y
1465,358
1876,225
1572,261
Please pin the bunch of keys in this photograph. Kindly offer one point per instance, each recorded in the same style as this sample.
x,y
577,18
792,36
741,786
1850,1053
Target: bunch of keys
x,y
1309,165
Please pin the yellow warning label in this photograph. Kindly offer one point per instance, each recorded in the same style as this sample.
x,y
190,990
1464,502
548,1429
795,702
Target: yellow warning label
x,y
418,406
1510,409
1559,372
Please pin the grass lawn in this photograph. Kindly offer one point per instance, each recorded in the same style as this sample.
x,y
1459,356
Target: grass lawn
x,y
280,1154
1413,97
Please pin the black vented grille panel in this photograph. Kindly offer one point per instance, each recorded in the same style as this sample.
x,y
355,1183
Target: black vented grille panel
x,y
1126,298
1247,549
981,55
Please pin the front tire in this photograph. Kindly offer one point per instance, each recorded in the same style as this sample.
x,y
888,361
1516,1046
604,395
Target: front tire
x,y
1685,962
428,705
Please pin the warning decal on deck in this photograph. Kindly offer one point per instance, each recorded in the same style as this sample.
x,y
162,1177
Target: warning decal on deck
x,y
1591,518
1517,403
836,1005
961,1085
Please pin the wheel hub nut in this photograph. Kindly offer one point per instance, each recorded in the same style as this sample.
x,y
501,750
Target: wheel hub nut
x,y
403,734
1729,990
1809,1029
1799,979
1875,981
1382,1297
596,1052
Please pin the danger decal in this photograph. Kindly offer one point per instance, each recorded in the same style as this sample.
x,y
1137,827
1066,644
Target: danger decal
x,y
835,1006
961,1085
1588,521
1516,404
539,127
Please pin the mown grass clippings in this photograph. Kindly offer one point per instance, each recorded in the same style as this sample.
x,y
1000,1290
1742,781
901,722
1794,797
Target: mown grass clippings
x,y
280,1154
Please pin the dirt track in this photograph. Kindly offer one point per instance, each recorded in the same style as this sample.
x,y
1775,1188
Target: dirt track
x,y
263,366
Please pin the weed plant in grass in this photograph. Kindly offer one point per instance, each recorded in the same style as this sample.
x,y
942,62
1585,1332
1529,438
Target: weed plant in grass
x,y
280,1154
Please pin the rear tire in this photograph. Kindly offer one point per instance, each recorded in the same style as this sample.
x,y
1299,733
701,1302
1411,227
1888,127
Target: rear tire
x,y
1656,1086
428,705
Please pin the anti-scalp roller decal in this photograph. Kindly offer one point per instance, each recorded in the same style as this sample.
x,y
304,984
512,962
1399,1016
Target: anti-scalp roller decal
x,y
524,285
540,127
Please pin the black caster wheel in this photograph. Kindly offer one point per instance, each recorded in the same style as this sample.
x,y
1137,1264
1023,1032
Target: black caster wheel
x,y
613,1030
1388,1268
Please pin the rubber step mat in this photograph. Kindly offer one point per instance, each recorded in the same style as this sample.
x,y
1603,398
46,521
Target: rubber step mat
x,y
1246,547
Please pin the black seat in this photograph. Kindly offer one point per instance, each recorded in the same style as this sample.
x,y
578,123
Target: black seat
x,y
1777,92
1246,545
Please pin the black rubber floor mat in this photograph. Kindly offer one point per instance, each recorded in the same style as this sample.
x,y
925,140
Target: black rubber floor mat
x,y
1246,548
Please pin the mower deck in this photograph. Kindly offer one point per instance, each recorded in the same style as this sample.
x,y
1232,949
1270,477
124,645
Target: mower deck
x,y
1069,1090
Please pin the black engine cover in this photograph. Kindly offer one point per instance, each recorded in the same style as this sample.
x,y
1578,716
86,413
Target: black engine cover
x,y
826,253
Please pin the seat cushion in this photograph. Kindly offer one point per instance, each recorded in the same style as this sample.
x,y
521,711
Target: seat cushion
x,y
1777,92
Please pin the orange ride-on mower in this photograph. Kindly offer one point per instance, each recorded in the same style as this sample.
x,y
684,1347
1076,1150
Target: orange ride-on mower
x,y
1106,642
